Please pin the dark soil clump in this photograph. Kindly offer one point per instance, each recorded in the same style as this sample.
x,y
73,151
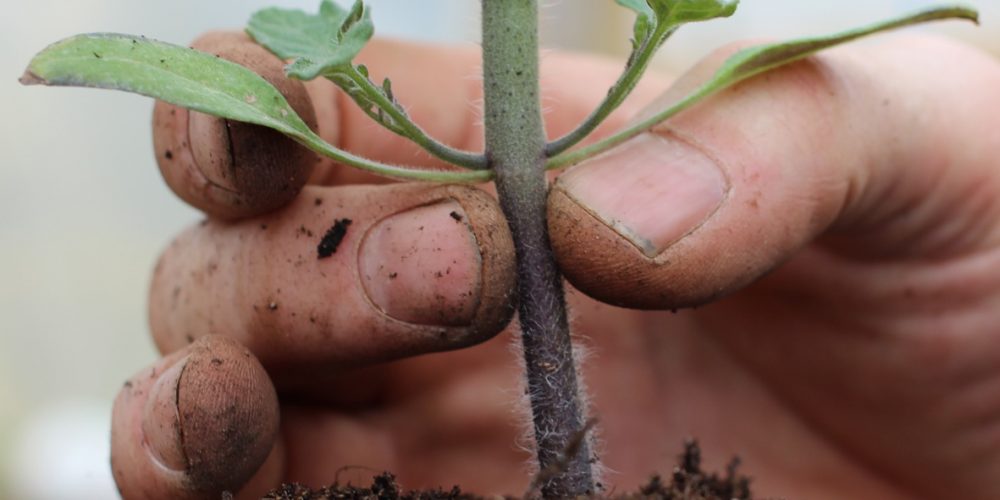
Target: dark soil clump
x,y
383,487
688,482
331,240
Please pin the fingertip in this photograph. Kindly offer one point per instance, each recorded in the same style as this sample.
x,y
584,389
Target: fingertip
x,y
226,168
344,275
200,422
496,300
618,221
228,411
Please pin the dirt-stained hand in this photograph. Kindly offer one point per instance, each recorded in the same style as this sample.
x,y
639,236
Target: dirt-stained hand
x,y
837,222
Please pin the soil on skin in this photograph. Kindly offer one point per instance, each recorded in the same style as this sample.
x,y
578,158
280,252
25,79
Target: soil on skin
x,y
331,240
688,482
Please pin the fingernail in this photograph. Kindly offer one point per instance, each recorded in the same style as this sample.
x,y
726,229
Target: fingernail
x,y
652,190
211,146
423,266
161,426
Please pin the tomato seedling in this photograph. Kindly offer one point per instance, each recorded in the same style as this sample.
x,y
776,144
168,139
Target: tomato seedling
x,y
516,156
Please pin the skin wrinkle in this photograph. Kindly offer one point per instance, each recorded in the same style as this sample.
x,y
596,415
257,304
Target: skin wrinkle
x,y
772,382
840,447
668,370
876,329
918,115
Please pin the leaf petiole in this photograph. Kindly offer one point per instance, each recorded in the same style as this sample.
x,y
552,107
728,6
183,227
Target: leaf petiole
x,y
636,67
402,124
317,144
654,23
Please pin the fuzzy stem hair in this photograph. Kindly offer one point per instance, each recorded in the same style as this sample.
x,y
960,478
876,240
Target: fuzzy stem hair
x,y
515,151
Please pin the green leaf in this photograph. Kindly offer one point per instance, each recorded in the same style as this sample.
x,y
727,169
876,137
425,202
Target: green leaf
x,y
198,81
752,61
325,44
660,18
316,43
645,19
678,12
656,20
171,73
745,64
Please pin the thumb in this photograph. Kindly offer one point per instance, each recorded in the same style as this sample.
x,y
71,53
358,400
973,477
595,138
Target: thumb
x,y
887,152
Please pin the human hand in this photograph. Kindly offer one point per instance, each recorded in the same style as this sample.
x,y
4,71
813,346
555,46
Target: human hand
x,y
863,366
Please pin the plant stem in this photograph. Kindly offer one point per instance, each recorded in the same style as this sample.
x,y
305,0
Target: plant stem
x,y
515,149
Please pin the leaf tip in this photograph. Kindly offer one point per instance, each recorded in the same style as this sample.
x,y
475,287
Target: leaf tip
x,y
30,78
729,7
973,15
960,12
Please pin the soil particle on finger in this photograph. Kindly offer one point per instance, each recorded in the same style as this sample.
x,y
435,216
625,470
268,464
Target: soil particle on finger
x,y
331,240
455,215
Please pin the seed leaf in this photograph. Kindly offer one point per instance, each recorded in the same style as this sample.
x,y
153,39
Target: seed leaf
x,y
178,75
198,81
315,43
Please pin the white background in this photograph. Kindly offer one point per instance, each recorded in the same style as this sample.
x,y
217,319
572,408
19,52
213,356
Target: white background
x,y
83,212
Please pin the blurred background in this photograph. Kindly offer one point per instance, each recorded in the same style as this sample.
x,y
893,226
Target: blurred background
x,y
84,214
